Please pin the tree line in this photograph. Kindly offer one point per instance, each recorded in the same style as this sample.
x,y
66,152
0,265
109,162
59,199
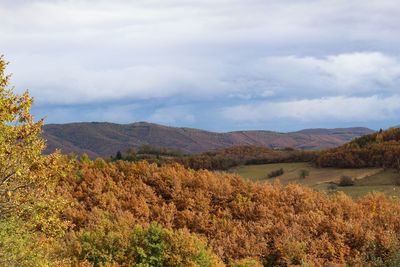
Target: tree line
x,y
222,159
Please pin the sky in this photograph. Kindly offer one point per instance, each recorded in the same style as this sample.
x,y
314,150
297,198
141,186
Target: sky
x,y
218,65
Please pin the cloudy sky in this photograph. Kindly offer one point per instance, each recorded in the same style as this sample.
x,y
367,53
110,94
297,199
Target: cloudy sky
x,y
219,65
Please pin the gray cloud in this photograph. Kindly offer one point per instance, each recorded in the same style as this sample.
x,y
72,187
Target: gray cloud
x,y
346,109
343,74
236,54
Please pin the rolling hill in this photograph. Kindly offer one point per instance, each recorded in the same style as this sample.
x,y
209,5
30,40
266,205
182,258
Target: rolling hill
x,y
102,139
379,149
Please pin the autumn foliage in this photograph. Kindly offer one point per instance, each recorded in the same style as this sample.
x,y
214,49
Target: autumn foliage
x,y
249,154
59,211
29,208
380,149
271,224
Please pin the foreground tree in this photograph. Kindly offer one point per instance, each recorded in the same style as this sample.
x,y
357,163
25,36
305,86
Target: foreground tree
x,y
27,177
20,146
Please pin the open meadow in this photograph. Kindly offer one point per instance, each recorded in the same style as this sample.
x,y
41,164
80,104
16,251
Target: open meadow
x,y
327,179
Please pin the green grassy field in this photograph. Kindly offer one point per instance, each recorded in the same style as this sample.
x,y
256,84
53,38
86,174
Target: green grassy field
x,y
365,180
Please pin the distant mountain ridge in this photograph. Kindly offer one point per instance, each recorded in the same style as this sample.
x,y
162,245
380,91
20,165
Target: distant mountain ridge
x,y
103,139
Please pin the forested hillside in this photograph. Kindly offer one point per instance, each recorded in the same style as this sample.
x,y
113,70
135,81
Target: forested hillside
x,y
380,149
105,139
263,155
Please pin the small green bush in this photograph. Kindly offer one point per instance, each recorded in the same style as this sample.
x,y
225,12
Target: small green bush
x,y
376,255
245,263
332,187
85,158
99,163
275,173
150,246
346,181
304,173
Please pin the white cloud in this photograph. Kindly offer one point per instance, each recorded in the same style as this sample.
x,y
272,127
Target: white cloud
x,y
339,108
349,74
72,83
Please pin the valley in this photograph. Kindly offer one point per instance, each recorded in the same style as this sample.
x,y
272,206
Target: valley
x,y
366,180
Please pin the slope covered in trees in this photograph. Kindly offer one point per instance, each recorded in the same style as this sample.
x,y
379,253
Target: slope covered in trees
x,y
263,155
270,224
104,139
380,149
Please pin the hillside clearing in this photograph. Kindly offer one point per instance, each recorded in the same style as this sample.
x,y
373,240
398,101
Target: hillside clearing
x,y
366,179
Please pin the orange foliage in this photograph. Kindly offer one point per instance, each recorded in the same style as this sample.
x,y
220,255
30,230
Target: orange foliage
x,y
380,149
250,153
240,219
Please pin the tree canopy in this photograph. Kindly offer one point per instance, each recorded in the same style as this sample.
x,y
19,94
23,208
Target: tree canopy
x,y
27,177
